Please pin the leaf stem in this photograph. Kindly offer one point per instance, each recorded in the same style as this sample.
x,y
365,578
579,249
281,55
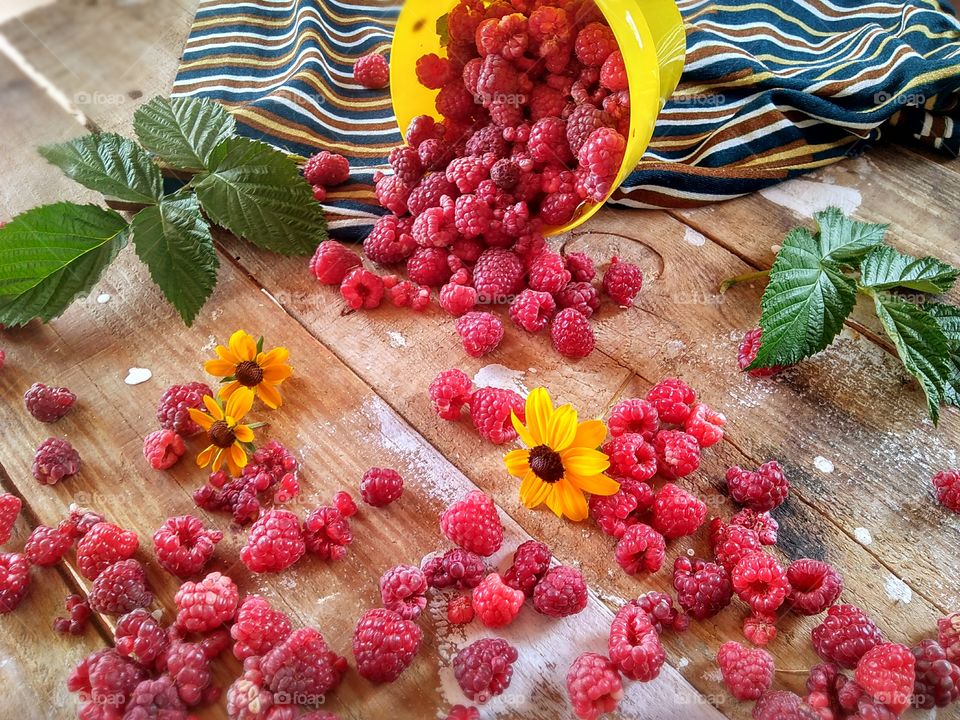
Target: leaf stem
x,y
746,277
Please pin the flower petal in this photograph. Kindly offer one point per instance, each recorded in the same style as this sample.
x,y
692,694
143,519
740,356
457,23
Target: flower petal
x,y
268,393
243,346
205,456
216,412
530,488
217,460
525,437
243,433
237,460
200,418
590,434
563,428
555,500
538,411
277,356
574,503
276,374
219,368
584,461
517,462
594,484
239,403
227,354
229,389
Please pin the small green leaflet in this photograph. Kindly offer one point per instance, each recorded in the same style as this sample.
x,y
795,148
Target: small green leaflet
x,y
173,240
183,132
948,318
257,193
842,238
109,164
51,255
885,268
443,29
804,304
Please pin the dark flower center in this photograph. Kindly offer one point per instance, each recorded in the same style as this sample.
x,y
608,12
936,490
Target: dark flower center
x,y
546,464
222,435
249,373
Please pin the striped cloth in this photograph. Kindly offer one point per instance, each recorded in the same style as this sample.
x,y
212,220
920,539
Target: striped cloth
x,y
772,89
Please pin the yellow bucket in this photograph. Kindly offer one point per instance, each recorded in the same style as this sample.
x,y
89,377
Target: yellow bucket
x,y
651,37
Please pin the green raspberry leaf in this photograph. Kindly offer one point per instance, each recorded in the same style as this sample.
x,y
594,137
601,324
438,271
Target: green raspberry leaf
x,y
51,255
845,239
257,193
885,268
948,318
183,131
174,242
443,29
109,164
804,304
921,345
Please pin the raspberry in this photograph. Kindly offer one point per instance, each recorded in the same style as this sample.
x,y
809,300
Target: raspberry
x,y
763,490
615,513
484,668
156,699
381,486
387,243
173,410
106,680
548,142
464,19
761,582
457,299
641,549
466,173
761,523
120,588
258,628
634,644
3,355
206,605
319,193
449,392
495,603
422,127
275,542
532,310
48,404
403,589
497,275
457,568
14,580
580,296
362,289
428,266
844,635
372,71
9,511
677,513
406,165
581,267
80,521
705,425
460,610
472,215
247,699
947,486
561,592
622,281
237,496
548,273
392,194
660,610
473,524
326,169
163,448
188,665
678,454
634,416
600,159
55,460
497,78
384,645
887,673
703,588
47,545
331,263
594,44
435,227
531,562
631,457
103,545
581,123
343,502
748,353
506,36
505,174
490,410
760,629
747,673
814,586
673,400
302,664
783,705
613,73
141,637
937,679
948,634
594,686
732,543
326,533
80,613
559,208
571,334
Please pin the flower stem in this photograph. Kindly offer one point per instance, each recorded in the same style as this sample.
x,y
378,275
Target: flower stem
x,y
746,277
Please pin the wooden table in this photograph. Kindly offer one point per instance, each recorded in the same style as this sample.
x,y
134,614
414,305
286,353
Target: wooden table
x,y
848,425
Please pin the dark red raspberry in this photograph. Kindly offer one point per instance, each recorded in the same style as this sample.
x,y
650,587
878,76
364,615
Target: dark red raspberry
x,y
14,580
457,299
634,416
641,549
748,353
120,588
496,603
484,668
634,644
615,513
460,610
747,673
761,582
760,629
559,208
206,605
381,486
947,486
490,410
532,310
582,122
79,611
105,680
384,645
814,586
705,425
594,686
761,523
372,71
579,296
326,533
449,392
188,665
302,665
331,263
388,243
473,524
141,637
887,673
428,266
163,448
844,635
490,140
561,592
783,705
48,404
258,629
403,589
571,334
55,460
761,490
343,502
937,679
594,44
673,400
948,635
497,275
327,169
660,609
457,568
275,542
731,543
80,521
406,165
505,174
678,454
237,496
173,410
9,511
613,74
47,545
184,546
103,545
362,289
622,281
677,513
156,699
530,563
703,588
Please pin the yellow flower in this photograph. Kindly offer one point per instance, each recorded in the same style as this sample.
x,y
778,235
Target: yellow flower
x,y
561,461
244,364
227,435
